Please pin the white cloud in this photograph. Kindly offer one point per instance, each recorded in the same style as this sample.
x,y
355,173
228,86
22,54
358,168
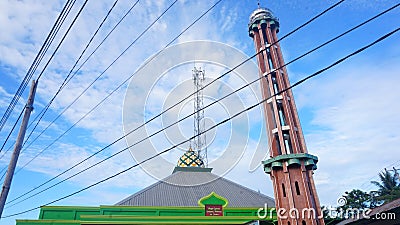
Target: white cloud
x,y
104,124
354,125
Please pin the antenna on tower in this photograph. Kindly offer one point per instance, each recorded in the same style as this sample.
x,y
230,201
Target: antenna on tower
x,y
199,141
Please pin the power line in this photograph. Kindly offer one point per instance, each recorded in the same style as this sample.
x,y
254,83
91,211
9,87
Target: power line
x,y
69,77
306,23
15,124
98,104
218,124
49,39
12,129
5,152
178,120
396,163
61,41
157,55
51,36
165,127
66,81
102,73
98,77
204,13
126,80
164,48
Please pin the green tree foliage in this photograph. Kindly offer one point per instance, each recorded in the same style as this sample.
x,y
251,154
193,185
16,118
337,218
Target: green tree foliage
x,y
388,187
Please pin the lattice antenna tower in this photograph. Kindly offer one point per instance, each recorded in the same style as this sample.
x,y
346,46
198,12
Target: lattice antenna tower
x,y
200,141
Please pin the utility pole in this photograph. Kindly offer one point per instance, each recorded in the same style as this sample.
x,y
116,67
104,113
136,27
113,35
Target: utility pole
x,y
17,148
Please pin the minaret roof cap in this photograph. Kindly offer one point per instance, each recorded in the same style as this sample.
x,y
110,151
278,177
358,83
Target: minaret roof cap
x,y
262,13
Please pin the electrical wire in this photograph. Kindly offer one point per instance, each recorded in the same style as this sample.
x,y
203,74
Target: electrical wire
x,y
61,41
218,124
49,39
97,78
368,182
123,83
95,107
180,120
297,58
12,129
63,38
15,124
165,127
69,77
102,73
320,14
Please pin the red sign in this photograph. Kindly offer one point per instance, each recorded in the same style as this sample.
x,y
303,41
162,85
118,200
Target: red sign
x,y
214,210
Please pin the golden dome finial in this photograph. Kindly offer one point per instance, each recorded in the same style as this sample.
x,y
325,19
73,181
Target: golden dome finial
x,y
190,159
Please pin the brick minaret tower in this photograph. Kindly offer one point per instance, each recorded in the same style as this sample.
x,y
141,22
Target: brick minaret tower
x,y
290,166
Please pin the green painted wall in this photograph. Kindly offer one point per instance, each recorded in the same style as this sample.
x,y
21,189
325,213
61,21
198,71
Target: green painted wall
x,y
67,215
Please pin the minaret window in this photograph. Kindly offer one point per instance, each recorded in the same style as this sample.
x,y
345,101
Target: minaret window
x,y
273,117
288,144
282,117
262,60
278,144
271,65
296,184
274,82
264,36
283,190
298,138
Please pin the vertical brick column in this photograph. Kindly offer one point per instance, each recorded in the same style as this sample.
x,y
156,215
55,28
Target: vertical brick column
x,y
290,166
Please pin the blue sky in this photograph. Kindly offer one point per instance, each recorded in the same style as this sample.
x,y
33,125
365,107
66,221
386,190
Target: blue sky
x,y
349,114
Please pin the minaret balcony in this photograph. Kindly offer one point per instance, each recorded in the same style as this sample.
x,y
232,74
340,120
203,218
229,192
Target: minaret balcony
x,y
295,160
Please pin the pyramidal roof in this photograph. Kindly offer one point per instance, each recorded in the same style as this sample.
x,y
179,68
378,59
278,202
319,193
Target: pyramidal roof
x,y
187,185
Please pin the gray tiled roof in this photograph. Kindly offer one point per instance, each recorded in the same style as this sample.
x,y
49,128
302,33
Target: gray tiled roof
x,y
178,190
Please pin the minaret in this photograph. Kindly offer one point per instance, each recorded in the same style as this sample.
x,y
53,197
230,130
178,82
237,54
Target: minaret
x,y
290,166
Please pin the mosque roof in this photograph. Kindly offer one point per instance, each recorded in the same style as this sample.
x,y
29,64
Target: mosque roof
x,y
187,185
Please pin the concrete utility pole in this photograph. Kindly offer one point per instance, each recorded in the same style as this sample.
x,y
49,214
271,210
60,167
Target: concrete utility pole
x,y
17,148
